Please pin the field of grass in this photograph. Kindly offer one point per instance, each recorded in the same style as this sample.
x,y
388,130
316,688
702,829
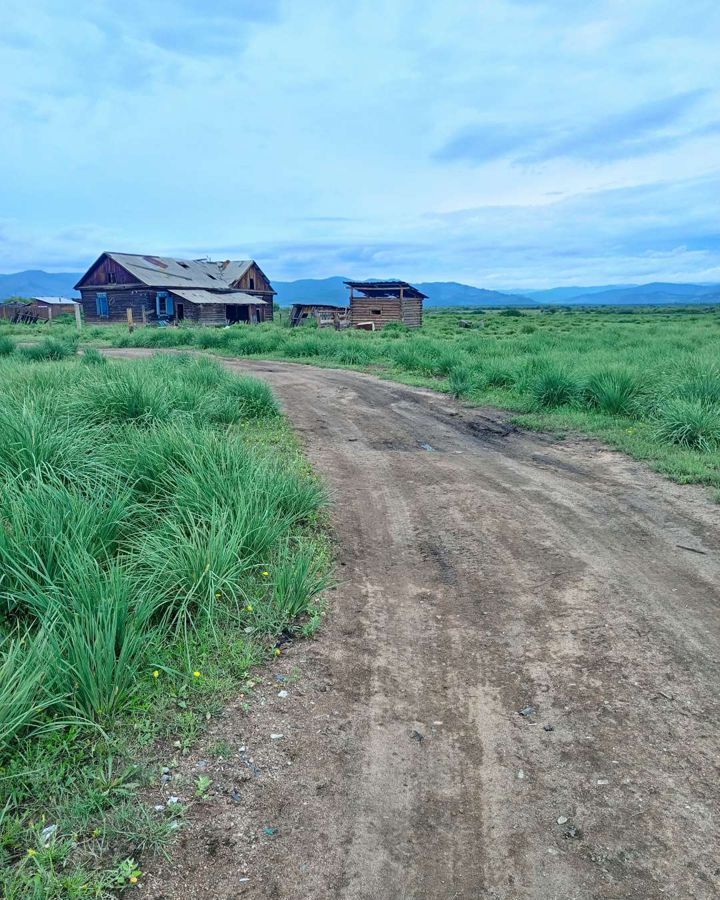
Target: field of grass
x,y
645,380
158,528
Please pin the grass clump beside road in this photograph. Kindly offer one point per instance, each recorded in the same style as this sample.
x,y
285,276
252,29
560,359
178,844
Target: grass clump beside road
x,y
158,527
645,380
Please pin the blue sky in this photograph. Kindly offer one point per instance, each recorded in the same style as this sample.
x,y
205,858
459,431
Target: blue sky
x,y
503,143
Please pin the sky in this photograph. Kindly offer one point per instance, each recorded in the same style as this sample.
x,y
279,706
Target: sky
x,y
508,144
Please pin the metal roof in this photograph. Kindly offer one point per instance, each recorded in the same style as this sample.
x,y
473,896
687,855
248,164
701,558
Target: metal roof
x,y
55,301
157,271
386,289
239,298
167,272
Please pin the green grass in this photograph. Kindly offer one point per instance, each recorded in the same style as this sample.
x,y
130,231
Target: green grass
x,y
158,528
645,380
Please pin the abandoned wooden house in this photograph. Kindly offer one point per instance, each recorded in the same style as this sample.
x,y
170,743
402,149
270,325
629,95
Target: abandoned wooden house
x,y
164,290
325,314
375,304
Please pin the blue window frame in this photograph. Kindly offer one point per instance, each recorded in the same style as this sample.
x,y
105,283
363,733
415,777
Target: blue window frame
x,y
102,307
164,304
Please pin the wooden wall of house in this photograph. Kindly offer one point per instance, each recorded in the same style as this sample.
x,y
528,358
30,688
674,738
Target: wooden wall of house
x,y
216,314
412,311
364,309
210,313
392,309
107,271
253,280
118,303
119,300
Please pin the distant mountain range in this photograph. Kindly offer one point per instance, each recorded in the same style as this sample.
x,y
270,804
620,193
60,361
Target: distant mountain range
x,y
656,293
441,293
37,283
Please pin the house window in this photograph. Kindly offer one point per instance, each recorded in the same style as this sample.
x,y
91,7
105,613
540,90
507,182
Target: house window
x,y
112,278
376,312
252,284
102,308
164,305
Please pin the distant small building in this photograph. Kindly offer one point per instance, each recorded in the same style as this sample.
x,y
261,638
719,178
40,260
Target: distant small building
x,y
163,289
375,304
325,314
38,309
52,307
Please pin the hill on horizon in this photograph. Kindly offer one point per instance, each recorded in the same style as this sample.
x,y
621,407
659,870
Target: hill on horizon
x,y
38,283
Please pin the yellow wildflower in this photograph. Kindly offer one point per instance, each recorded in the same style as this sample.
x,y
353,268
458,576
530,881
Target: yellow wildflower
x,y
249,607
133,879
156,674
278,651
265,574
32,852
196,674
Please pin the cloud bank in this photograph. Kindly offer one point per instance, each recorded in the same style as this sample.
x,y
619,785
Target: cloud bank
x,y
508,144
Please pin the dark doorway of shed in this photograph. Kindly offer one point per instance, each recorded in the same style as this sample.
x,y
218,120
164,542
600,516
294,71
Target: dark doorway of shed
x,y
235,313
180,311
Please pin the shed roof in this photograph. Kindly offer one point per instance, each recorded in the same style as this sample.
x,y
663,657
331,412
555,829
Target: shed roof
x,y
386,289
239,298
55,301
311,305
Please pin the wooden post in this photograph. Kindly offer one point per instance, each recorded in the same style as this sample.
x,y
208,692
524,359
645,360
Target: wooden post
x,y
78,317
49,319
129,319
144,316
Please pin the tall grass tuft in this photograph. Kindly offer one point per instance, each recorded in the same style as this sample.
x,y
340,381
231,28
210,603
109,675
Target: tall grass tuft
x,y
242,398
125,395
7,345
93,357
299,575
691,424
195,564
554,387
24,697
38,440
613,391
98,637
460,381
51,349
495,374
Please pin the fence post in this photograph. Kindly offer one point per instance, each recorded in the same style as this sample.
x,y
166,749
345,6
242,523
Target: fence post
x,y
129,319
78,317
144,316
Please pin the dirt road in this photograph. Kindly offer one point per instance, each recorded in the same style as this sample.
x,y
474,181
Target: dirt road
x,y
515,694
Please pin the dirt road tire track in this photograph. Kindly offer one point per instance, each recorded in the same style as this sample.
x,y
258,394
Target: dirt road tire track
x,y
483,570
